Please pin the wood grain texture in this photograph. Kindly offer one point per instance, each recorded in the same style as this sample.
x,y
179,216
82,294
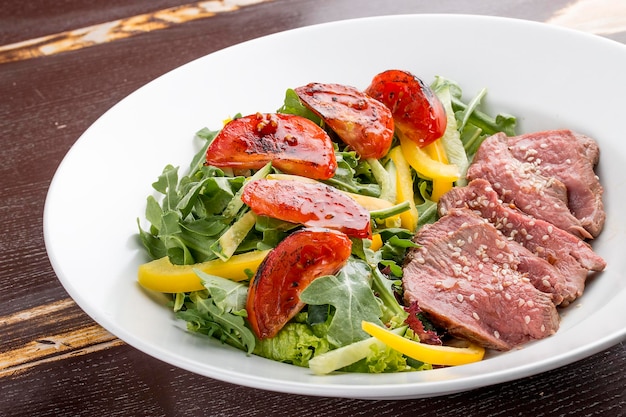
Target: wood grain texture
x,y
20,21
138,386
112,31
47,333
48,102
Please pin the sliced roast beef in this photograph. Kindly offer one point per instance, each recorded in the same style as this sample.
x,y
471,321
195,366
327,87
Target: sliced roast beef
x,y
474,282
571,159
571,257
521,183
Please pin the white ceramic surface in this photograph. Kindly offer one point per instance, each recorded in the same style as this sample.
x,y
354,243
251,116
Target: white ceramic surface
x,y
549,77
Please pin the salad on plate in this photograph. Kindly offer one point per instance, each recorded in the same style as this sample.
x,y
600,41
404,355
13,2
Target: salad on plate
x,y
291,233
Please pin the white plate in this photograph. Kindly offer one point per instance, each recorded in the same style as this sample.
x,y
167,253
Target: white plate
x,y
547,76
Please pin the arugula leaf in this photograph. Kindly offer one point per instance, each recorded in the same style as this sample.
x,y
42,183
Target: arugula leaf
x,y
293,105
204,317
217,194
474,125
353,175
154,246
154,212
166,184
395,243
198,160
188,198
273,230
187,221
218,312
350,293
428,209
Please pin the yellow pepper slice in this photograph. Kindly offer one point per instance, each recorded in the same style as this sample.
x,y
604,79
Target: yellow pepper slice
x,y
435,355
440,186
419,159
404,188
369,202
161,275
377,242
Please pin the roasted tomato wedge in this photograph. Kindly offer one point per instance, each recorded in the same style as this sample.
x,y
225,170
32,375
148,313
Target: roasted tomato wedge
x,y
292,143
417,112
274,293
310,204
359,121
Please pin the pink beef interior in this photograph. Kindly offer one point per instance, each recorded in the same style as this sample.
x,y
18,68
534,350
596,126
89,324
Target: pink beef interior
x,y
508,248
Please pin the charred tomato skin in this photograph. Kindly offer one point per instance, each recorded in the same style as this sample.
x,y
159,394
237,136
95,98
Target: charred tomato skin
x,y
416,110
310,204
360,121
292,143
274,293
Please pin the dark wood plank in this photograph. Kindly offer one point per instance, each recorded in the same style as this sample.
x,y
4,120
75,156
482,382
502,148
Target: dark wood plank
x,y
136,385
48,333
20,21
111,31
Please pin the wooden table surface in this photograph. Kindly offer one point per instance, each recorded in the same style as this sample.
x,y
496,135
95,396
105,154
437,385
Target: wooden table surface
x,y
62,65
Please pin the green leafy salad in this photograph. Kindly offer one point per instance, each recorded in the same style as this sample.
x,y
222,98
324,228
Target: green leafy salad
x,y
208,245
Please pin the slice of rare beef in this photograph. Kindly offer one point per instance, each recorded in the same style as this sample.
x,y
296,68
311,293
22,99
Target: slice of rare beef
x,y
571,257
570,158
521,183
469,279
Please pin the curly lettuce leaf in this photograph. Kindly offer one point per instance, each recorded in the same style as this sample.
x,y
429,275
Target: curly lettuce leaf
x,y
295,344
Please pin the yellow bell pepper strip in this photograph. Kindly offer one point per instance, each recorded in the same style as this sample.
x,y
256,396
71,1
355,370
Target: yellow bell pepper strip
x,y
369,202
161,275
435,355
430,168
404,188
377,242
437,152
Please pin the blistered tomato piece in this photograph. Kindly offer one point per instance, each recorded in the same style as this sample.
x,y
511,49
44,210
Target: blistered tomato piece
x,y
416,110
292,143
274,293
310,204
359,121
